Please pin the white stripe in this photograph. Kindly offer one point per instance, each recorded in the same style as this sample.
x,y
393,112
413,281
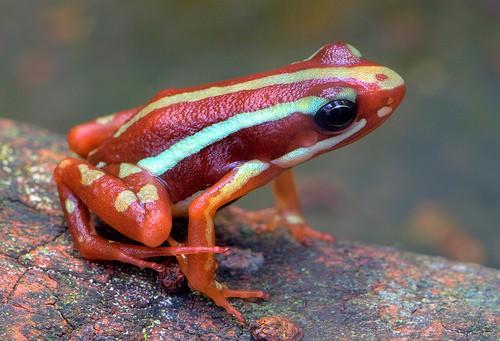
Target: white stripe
x,y
192,144
365,74
303,154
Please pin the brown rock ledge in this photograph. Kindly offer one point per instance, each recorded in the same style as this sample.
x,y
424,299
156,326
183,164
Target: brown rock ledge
x,y
344,291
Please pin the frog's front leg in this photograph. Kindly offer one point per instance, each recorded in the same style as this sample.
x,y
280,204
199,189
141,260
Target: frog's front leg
x,y
287,212
129,200
200,269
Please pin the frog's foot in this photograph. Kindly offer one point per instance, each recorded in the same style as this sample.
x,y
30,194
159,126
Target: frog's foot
x,y
219,293
98,248
269,219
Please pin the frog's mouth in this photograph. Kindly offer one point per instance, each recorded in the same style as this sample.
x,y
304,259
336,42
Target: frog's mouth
x,y
303,154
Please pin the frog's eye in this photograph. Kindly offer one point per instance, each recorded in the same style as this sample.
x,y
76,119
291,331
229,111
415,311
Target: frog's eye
x,y
336,115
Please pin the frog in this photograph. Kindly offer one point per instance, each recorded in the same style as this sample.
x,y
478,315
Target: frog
x,y
188,152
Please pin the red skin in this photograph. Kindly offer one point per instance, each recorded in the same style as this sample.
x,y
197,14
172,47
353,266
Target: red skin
x,y
211,170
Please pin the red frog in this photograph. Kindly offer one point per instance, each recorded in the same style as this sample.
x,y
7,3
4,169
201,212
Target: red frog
x,y
190,151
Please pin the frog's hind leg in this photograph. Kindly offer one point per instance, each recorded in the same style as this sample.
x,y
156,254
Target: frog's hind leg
x,y
200,269
85,137
287,213
133,203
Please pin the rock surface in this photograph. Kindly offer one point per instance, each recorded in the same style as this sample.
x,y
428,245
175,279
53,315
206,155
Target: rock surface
x,y
344,291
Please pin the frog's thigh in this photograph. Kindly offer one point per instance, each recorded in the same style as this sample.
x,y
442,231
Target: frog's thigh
x,y
132,202
238,182
87,136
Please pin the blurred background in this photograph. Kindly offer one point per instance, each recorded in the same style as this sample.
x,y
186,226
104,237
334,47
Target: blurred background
x,y
426,181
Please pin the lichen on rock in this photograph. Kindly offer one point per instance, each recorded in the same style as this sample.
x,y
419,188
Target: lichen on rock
x,y
346,290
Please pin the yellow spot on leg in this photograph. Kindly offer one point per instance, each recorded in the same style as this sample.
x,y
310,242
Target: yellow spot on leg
x,y
148,193
127,169
69,205
124,200
89,175
243,175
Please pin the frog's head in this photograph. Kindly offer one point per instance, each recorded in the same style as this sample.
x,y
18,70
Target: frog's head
x,y
347,97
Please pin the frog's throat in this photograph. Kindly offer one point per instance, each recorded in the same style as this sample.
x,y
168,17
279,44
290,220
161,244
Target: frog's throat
x,y
303,154
363,74
207,136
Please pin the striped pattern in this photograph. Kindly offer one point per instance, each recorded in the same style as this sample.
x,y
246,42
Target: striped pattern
x,y
192,144
366,74
127,169
303,154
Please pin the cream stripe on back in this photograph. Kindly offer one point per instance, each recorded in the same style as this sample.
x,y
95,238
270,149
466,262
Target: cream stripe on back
x,y
364,74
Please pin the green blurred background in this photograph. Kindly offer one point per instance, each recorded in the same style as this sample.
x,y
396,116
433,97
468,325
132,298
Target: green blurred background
x,y
427,181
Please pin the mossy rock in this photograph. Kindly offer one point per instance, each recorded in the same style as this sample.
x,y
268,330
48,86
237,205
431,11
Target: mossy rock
x,y
347,290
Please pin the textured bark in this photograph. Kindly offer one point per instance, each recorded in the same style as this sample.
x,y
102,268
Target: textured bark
x,y
345,291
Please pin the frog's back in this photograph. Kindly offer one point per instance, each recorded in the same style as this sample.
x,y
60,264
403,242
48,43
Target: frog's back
x,y
202,144
174,114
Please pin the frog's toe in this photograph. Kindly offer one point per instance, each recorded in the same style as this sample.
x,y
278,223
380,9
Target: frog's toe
x,y
306,235
269,219
124,258
224,303
260,221
246,293
220,293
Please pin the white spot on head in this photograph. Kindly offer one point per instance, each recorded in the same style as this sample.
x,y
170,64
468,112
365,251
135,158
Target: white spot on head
x,y
100,164
384,111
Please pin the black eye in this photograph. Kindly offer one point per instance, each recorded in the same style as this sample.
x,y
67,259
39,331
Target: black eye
x,y
336,115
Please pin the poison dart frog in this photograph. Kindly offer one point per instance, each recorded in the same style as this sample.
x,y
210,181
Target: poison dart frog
x,y
190,151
